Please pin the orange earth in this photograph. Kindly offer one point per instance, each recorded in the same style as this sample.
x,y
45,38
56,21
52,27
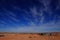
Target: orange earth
x,y
28,36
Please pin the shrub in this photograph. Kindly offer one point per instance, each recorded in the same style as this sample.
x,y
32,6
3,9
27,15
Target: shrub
x,y
2,35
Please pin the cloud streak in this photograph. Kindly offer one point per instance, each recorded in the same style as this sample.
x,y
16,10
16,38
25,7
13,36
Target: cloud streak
x,y
11,15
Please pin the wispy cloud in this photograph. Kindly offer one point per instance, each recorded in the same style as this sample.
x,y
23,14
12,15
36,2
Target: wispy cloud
x,y
46,3
47,7
58,5
9,12
11,15
17,8
34,17
2,23
35,13
41,15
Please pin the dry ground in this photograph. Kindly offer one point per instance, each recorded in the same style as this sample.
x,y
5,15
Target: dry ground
x,y
17,36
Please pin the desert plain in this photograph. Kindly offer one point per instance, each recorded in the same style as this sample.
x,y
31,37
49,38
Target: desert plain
x,y
29,36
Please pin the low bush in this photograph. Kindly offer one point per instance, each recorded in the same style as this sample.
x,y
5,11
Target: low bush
x,y
2,35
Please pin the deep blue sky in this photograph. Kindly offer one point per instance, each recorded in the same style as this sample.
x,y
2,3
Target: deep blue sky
x,y
29,15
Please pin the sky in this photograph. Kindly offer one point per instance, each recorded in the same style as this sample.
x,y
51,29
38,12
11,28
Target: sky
x,y
31,16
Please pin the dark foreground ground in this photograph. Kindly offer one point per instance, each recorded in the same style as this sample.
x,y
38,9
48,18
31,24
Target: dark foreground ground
x,y
29,36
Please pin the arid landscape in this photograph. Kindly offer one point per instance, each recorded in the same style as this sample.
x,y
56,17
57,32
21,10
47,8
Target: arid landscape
x,y
29,36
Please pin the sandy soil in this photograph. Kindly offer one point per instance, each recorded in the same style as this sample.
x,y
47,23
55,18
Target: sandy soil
x,y
17,36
